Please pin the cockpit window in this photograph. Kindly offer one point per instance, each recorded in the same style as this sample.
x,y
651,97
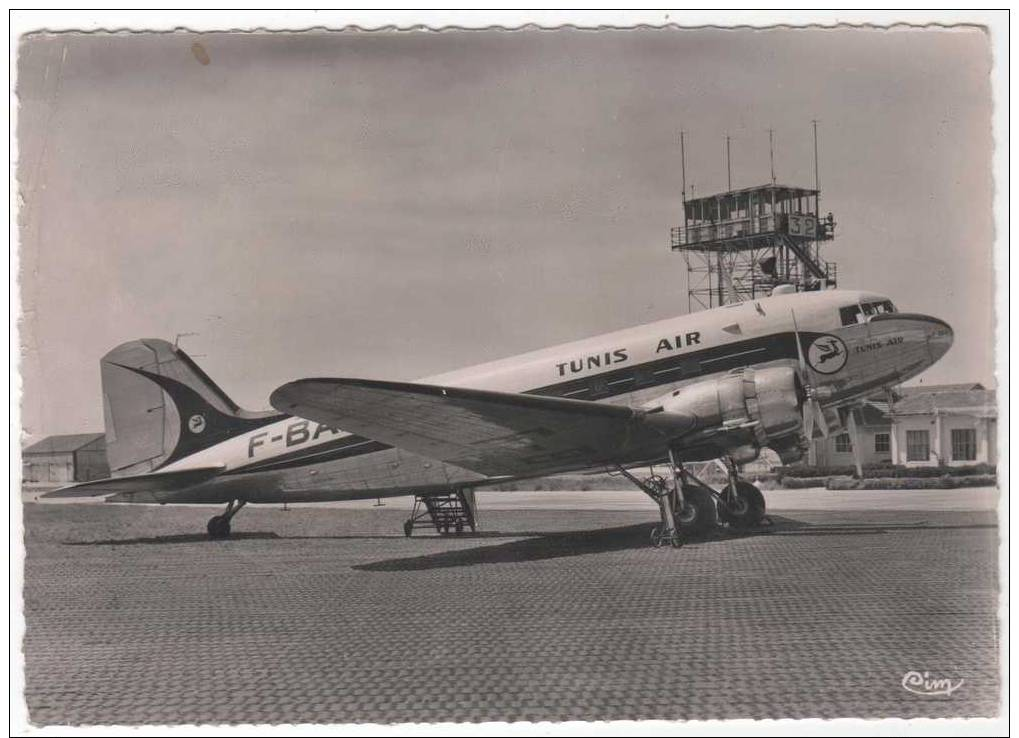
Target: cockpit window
x,y
851,315
859,312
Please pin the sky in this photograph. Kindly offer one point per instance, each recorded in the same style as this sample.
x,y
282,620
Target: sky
x,y
395,205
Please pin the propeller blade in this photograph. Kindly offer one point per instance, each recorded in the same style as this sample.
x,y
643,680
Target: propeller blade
x,y
813,417
854,440
890,398
813,413
808,420
821,422
799,349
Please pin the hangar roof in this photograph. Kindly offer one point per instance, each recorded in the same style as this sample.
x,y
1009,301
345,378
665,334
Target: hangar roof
x,y
928,388
955,399
65,444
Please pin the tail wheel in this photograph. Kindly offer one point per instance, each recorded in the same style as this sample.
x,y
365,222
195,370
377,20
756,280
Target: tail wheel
x,y
699,513
746,510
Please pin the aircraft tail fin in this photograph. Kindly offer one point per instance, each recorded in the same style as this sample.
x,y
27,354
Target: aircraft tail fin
x,y
159,406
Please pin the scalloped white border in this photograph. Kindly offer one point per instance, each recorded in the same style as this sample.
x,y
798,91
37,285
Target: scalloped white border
x,y
134,21
128,21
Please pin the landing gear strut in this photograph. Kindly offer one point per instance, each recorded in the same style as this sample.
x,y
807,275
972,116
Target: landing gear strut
x,y
659,490
219,525
689,506
692,506
741,504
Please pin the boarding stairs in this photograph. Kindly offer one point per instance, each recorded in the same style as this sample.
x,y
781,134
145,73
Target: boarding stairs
x,y
451,512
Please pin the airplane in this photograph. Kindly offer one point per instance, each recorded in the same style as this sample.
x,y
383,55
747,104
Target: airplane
x,y
720,384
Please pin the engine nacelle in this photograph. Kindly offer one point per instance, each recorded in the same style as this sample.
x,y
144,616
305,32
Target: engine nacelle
x,y
762,402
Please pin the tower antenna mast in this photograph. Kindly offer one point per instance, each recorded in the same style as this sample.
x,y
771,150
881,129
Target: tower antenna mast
x,y
817,179
728,160
771,153
817,191
682,161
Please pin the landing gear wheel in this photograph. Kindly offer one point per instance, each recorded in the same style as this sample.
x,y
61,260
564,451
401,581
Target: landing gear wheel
x,y
218,527
747,510
408,528
699,513
659,539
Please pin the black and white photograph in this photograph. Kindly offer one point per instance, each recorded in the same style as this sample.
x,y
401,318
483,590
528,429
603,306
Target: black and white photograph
x,y
406,374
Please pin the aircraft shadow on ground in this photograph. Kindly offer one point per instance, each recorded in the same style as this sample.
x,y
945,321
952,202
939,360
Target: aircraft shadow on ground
x,y
524,546
269,535
579,543
181,538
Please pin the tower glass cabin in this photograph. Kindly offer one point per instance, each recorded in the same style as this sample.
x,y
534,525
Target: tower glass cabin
x,y
739,245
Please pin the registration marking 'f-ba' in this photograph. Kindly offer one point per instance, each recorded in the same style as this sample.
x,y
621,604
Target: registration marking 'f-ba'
x,y
295,434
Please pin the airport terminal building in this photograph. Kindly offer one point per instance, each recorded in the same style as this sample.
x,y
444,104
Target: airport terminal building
x,y
952,424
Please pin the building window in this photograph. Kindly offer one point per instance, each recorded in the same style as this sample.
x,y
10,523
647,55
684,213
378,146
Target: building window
x,y
918,445
964,444
882,443
843,444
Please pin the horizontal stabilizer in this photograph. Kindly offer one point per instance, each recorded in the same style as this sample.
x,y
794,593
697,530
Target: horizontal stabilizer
x,y
157,482
493,433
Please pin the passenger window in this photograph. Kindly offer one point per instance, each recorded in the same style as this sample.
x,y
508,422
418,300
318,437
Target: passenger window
x,y
869,308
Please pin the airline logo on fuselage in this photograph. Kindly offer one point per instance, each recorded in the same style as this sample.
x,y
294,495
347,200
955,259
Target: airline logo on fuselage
x,y
619,356
594,361
827,354
693,338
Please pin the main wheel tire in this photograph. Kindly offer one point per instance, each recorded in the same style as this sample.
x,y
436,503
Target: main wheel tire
x,y
748,508
699,513
218,527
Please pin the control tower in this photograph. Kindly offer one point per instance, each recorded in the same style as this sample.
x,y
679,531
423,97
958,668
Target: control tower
x,y
741,244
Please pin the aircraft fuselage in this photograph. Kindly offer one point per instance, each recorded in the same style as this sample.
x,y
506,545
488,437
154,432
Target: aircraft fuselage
x,y
853,343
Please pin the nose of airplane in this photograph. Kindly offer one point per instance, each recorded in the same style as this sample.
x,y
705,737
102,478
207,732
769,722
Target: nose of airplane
x,y
924,339
939,337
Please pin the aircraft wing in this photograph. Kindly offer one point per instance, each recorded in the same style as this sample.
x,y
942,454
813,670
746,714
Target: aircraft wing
x,y
493,433
158,482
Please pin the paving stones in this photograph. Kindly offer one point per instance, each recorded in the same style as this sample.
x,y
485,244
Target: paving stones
x,y
329,615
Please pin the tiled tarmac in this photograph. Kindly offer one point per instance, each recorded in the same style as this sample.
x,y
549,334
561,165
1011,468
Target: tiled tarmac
x,y
330,615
